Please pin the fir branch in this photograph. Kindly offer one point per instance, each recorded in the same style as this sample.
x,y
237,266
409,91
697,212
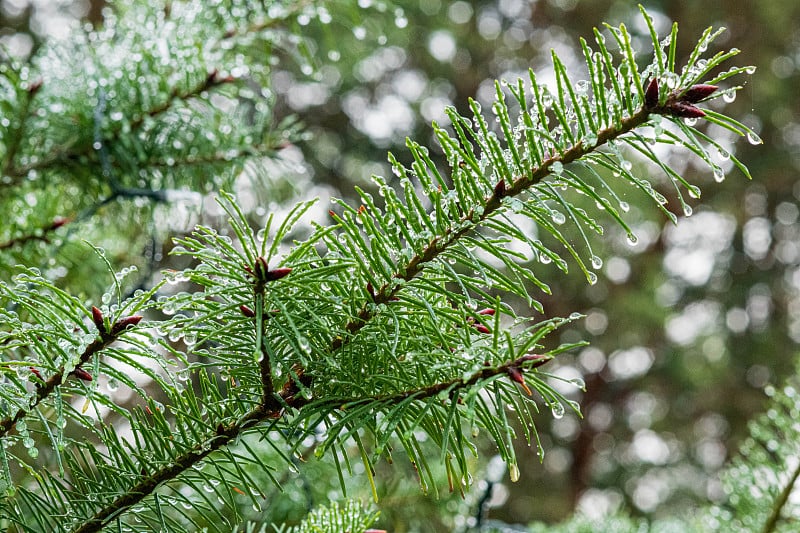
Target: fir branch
x,y
41,234
492,204
775,515
275,407
45,388
70,153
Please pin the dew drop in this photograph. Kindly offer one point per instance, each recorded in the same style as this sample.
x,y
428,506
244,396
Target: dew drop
x,y
359,32
687,210
558,410
729,97
632,239
578,382
753,138
624,206
592,278
750,70
597,262
626,165
112,385
690,121
557,167
334,55
723,154
719,175
558,217
513,473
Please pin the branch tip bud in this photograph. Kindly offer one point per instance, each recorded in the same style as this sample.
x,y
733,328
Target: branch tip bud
x,y
515,373
651,94
97,318
698,92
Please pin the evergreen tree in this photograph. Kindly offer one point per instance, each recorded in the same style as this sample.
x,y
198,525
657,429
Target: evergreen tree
x,y
181,400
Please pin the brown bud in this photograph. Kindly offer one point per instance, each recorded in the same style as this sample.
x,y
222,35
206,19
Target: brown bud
x,y
651,94
277,273
246,311
482,329
487,312
500,189
125,323
371,289
695,93
97,318
540,359
684,110
82,374
36,373
58,222
261,268
34,87
515,373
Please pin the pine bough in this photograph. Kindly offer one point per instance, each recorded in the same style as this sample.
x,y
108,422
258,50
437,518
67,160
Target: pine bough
x,y
383,330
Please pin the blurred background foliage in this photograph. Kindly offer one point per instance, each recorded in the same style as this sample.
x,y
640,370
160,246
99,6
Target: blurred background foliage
x,y
687,327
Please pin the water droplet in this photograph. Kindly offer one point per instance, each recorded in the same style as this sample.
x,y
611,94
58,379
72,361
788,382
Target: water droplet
x,y
359,32
624,206
723,154
632,239
557,409
597,262
33,452
753,138
626,165
694,191
112,385
334,55
687,210
513,473
690,121
750,70
558,217
591,277
719,175
557,167
729,97
578,382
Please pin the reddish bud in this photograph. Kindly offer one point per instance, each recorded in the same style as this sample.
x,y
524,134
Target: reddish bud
x,y
58,222
516,375
97,318
684,110
482,329
36,373
261,268
278,273
540,359
486,312
246,311
82,374
651,94
211,79
695,93
500,189
34,87
125,323
371,289
374,531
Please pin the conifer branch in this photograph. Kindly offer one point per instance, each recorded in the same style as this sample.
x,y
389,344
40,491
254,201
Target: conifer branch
x,y
70,153
45,388
41,234
471,219
775,514
272,408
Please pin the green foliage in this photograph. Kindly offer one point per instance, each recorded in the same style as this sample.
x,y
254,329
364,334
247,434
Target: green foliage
x,y
384,334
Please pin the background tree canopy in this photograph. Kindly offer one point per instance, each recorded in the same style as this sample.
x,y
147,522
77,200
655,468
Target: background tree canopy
x,y
687,328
